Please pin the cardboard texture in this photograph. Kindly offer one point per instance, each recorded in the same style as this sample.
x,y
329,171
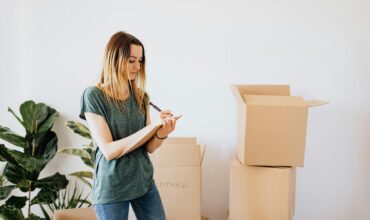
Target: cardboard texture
x,y
261,193
271,125
83,214
75,214
178,176
180,140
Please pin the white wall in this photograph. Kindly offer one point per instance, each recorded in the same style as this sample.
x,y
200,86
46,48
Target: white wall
x,y
51,50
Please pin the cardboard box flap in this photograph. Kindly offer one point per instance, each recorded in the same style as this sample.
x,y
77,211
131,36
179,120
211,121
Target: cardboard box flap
x,y
314,103
178,155
180,140
274,100
202,152
240,90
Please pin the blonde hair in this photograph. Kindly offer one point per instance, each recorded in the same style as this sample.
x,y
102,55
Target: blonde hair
x,y
114,75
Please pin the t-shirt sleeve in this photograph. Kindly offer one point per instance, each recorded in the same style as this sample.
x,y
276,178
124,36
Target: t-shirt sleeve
x,y
91,101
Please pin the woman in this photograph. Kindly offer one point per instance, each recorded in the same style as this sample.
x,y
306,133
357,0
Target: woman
x,y
116,111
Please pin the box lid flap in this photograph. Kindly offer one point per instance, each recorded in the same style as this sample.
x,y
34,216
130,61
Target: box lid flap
x,y
180,140
178,155
240,90
202,152
314,103
274,100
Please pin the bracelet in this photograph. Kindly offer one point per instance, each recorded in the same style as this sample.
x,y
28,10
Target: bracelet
x,y
156,135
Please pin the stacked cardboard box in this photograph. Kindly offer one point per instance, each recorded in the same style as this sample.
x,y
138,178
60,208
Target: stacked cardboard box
x,y
83,214
178,176
271,136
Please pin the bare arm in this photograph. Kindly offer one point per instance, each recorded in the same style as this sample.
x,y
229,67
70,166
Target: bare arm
x,y
154,143
101,134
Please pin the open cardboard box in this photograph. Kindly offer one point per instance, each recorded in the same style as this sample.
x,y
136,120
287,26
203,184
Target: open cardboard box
x,y
271,125
261,193
178,176
82,214
75,214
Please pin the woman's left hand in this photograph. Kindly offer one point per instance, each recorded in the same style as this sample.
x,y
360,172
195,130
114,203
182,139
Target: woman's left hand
x,y
165,114
168,123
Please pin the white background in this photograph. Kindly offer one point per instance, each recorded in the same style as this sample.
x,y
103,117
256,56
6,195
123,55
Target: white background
x,y
51,50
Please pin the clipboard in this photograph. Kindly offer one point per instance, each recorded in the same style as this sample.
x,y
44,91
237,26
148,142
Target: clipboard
x,y
153,128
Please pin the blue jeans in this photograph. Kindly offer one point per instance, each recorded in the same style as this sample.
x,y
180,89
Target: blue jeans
x,y
147,207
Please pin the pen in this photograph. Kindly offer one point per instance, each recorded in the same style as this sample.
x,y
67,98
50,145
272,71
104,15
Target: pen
x,y
156,107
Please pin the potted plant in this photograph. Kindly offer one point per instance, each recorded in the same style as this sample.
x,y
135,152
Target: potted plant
x,y
24,163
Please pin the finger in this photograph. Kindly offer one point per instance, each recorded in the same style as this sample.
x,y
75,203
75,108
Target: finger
x,y
173,123
177,117
170,123
164,125
163,115
166,111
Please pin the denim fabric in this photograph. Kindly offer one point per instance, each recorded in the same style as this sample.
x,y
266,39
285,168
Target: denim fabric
x,y
147,207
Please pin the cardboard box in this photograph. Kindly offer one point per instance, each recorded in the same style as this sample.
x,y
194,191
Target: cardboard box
x,y
178,176
75,214
180,140
271,125
261,193
84,214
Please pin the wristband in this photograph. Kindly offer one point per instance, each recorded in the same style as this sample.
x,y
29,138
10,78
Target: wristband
x,y
156,135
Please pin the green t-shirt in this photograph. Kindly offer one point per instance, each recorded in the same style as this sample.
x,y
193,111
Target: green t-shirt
x,y
130,176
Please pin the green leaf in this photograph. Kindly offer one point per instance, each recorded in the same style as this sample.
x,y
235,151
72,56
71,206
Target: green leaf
x,y
16,202
34,217
33,115
16,116
46,214
49,122
89,162
14,173
46,146
84,181
54,182
82,175
76,151
11,137
11,213
44,196
5,191
6,155
86,174
79,129
24,185
31,166
90,145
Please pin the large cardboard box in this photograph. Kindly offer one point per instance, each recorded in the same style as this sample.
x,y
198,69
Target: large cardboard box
x,y
178,176
75,214
271,125
261,193
85,214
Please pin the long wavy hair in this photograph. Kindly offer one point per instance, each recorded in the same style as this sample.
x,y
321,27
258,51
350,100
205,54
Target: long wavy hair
x,y
114,81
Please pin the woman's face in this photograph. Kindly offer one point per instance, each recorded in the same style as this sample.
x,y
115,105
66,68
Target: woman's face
x,y
134,61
